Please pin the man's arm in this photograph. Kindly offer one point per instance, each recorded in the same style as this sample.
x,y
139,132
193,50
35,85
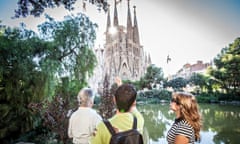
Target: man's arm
x,y
118,81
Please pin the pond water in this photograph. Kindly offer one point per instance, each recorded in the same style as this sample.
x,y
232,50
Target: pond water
x,y
221,123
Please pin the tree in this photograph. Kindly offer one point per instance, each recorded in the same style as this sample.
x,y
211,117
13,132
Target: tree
x,y
36,8
198,80
107,108
226,72
21,82
152,77
71,54
177,83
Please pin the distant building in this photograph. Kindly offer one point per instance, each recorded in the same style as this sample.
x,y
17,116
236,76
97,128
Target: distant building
x,y
188,70
123,55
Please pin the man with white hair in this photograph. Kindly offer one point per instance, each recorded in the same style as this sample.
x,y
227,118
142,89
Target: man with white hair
x,y
82,123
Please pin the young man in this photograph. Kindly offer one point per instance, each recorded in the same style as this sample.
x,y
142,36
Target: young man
x,y
82,123
134,109
125,99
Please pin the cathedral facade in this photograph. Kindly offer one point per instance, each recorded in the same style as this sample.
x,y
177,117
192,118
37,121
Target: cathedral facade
x,y
122,55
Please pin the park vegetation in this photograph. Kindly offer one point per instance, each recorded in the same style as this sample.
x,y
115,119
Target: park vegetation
x,y
40,75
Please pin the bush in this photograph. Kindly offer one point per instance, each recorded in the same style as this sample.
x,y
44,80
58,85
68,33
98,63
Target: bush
x,y
55,116
154,96
165,95
97,100
207,98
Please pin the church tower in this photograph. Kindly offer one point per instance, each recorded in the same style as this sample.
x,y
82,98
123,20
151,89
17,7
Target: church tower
x,y
124,56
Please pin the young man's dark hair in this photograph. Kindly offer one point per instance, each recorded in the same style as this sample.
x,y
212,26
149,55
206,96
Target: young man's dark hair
x,y
125,96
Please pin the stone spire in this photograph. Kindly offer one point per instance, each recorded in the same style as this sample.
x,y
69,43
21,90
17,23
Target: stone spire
x,y
108,25
149,59
108,19
135,28
129,23
115,19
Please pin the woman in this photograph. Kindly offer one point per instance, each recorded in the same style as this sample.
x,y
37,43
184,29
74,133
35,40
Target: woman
x,y
186,128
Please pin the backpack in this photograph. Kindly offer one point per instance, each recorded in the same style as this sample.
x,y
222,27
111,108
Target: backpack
x,y
132,136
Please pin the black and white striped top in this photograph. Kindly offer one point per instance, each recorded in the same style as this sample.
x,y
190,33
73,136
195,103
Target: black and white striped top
x,y
181,127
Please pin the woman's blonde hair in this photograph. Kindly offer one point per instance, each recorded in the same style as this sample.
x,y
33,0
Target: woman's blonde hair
x,y
189,111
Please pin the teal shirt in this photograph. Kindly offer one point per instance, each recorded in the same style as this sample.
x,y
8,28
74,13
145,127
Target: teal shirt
x,y
121,121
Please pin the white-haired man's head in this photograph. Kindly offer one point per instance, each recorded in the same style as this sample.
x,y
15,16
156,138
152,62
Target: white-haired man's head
x,y
85,97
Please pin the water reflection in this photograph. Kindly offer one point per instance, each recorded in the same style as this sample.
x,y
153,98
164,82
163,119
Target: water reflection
x,y
221,123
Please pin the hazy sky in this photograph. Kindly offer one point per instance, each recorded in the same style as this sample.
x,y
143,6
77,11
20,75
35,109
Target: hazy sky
x,y
186,30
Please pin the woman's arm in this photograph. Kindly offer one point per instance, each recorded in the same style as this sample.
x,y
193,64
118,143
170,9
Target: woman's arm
x,y
180,139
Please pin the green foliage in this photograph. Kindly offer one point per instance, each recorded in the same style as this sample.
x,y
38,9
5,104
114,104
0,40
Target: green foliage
x,y
36,8
226,73
198,79
207,98
137,84
203,83
33,70
153,76
40,135
20,81
72,40
97,100
154,96
177,84
165,95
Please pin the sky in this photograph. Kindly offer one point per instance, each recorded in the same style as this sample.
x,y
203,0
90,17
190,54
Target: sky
x,y
186,30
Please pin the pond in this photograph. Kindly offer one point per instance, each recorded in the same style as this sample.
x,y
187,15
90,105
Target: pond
x,y
221,123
